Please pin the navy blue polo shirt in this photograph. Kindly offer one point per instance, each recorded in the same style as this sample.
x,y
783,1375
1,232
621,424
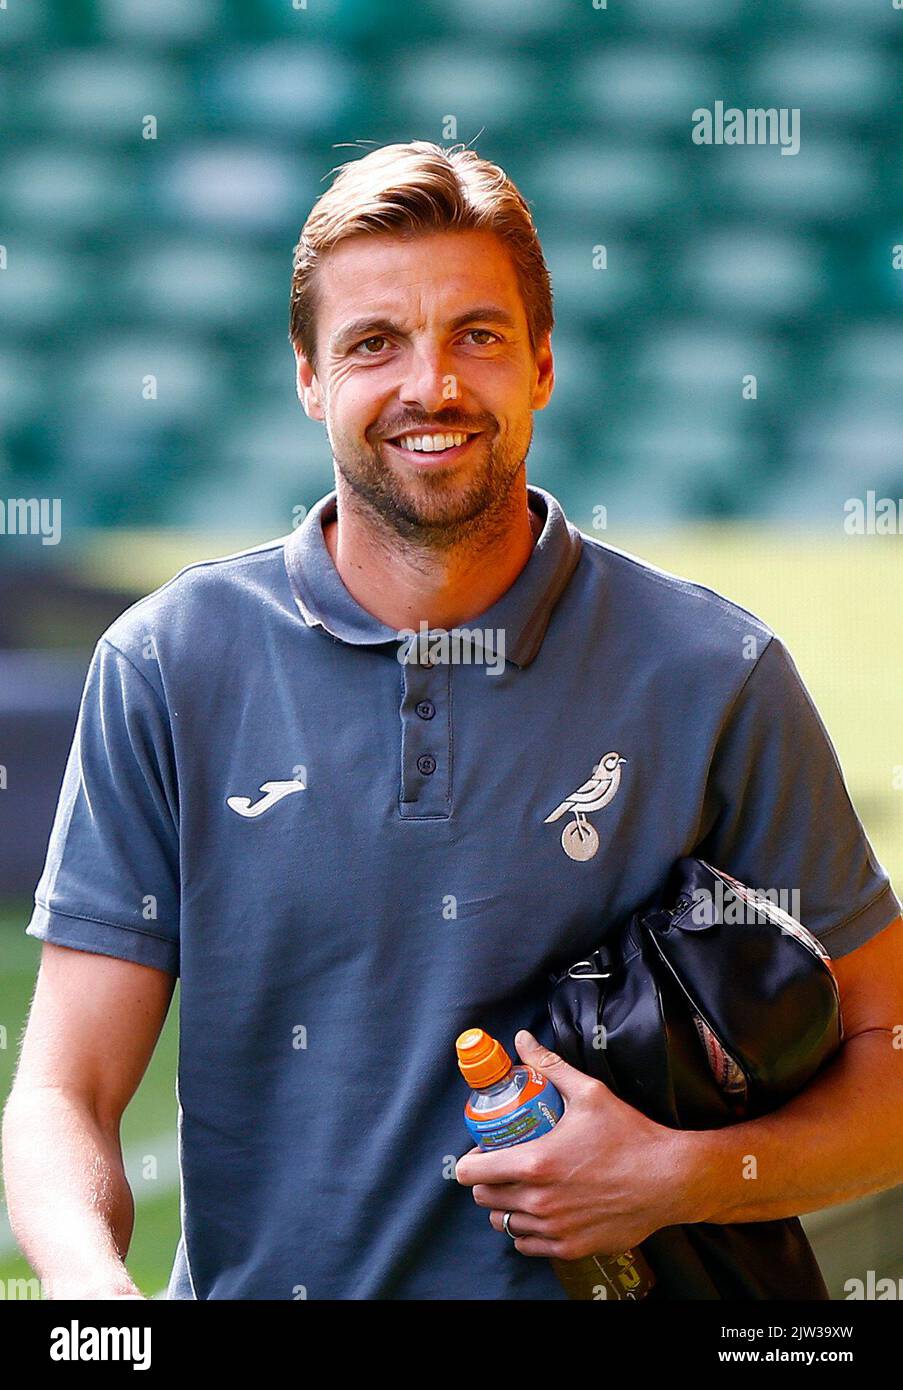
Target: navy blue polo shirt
x,y
351,847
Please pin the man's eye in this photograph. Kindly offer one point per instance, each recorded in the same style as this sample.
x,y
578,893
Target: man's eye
x,y
488,334
377,338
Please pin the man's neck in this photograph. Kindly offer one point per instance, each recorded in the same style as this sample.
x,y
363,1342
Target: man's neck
x,y
404,587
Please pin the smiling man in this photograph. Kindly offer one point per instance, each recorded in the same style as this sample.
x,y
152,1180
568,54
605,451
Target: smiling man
x,y
350,850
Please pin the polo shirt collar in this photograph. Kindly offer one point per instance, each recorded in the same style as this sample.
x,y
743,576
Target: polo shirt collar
x,y
522,612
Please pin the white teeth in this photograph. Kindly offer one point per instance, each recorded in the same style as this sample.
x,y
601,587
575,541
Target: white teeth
x,y
430,443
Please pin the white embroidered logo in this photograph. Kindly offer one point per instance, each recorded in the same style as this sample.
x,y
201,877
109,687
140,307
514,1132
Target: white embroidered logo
x,y
579,839
275,791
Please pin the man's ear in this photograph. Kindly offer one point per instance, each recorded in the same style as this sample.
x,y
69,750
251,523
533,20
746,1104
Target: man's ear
x,y
308,388
545,373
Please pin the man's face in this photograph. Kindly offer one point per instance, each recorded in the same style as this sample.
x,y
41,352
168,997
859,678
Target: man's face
x,y
414,336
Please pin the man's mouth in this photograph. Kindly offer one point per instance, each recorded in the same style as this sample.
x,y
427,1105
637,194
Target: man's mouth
x,y
426,448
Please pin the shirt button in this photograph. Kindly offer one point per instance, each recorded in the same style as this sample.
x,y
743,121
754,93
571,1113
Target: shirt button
x,y
426,709
426,764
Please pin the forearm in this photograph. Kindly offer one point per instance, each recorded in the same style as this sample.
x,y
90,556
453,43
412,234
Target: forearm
x,y
839,1139
70,1206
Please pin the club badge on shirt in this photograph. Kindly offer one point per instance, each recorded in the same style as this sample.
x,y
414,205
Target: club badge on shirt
x,y
579,839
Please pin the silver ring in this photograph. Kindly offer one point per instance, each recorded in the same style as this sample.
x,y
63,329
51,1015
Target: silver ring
x,y
507,1229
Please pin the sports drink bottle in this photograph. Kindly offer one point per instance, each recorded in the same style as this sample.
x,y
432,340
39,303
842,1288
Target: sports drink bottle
x,y
511,1104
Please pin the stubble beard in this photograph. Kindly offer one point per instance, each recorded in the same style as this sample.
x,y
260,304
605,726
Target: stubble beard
x,y
434,510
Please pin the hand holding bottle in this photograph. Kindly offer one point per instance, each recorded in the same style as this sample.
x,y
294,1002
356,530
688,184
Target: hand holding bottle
x,y
511,1105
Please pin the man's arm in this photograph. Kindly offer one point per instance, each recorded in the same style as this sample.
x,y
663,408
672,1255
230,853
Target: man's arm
x,y
839,1139
93,1025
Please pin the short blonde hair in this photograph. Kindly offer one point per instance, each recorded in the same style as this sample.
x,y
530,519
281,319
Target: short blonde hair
x,y
418,187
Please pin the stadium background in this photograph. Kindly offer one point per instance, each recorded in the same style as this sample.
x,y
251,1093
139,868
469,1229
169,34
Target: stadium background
x,y
128,256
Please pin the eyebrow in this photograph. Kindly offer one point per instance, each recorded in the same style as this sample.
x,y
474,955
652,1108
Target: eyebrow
x,y
367,327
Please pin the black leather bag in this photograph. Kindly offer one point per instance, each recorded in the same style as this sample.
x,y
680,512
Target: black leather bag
x,y
713,1005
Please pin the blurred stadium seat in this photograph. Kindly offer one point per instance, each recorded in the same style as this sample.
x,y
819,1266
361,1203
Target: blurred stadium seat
x,y
63,186
646,87
753,272
280,88
826,182
233,185
504,18
172,256
165,21
198,283
595,178
481,89
840,14
104,93
834,82
696,18
43,287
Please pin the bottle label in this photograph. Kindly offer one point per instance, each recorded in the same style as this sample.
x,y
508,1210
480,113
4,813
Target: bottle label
x,y
537,1110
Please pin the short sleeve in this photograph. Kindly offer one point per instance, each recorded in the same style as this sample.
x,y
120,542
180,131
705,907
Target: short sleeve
x,y
780,814
111,878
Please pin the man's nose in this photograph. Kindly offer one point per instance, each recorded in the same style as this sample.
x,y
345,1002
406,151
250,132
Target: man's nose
x,y
428,380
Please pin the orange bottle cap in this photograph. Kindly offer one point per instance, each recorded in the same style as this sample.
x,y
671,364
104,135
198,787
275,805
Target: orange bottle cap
x,y
481,1059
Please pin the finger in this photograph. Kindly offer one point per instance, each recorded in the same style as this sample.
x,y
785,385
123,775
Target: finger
x,y
569,1081
505,1196
497,1166
536,1245
520,1223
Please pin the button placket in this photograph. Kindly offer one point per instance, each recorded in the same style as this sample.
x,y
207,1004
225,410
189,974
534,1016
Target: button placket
x,y
425,741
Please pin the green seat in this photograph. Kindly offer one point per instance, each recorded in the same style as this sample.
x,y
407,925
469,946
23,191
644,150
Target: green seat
x,y
44,286
235,184
695,18
584,293
594,179
104,93
281,86
484,90
826,181
165,22
831,77
639,87
201,282
750,270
